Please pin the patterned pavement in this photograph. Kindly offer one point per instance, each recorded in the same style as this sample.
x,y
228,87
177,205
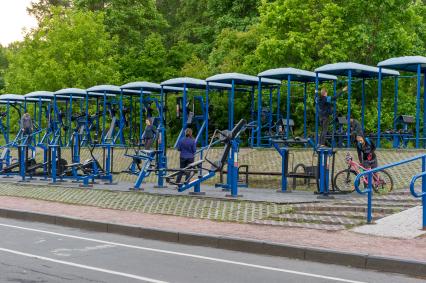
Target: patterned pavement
x,y
330,215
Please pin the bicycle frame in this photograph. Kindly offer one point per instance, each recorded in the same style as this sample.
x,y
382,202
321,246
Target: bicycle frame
x,y
355,166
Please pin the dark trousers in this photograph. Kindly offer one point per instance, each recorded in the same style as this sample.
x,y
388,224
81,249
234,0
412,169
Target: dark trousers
x,y
28,133
148,143
184,162
324,129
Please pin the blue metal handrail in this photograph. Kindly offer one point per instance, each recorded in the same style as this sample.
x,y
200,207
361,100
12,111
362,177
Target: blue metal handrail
x,y
370,172
422,195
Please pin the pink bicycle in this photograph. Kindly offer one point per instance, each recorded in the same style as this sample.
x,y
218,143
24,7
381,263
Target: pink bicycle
x,y
344,179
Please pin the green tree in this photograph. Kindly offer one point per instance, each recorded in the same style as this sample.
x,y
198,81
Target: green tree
x,y
3,66
149,63
70,49
43,8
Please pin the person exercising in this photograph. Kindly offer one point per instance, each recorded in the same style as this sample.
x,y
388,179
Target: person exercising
x,y
27,126
187,147
325,105
149,134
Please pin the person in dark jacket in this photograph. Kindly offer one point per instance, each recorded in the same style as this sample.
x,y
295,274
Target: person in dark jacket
x,y
366,152
26,125
356,128
149,134
325,105
187,148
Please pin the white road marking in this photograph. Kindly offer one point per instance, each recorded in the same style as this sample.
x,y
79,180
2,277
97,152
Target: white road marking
x,y
187,255
122,274
68,252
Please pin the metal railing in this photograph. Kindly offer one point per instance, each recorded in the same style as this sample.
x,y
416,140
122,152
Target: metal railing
x,y
422,194
369,190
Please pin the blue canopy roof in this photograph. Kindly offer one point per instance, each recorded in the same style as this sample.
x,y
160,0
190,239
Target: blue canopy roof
x,y
297,75
149,87
358,70
18,97
71,91
40,94
194,83
405,63
188,82
240,79
46,95
101,90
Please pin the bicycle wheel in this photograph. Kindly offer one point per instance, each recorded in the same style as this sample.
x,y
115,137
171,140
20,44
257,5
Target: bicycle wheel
x,y
344,181
384,184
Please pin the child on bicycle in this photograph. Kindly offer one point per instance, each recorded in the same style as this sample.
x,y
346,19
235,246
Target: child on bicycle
x,y
366,152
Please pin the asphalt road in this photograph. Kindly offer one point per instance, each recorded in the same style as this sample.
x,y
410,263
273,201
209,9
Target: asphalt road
x,y
34,252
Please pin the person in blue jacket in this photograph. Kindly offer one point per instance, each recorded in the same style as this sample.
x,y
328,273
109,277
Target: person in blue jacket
x,y
187,148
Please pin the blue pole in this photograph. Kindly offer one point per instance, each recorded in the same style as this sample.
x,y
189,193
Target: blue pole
x,y
419,73
395,111
184,113
395,103
348,134
271,111
362,104
316,108
231,106
104,113
259,111
304,110
424,192
288,106
424,110
122,123
333,142
207,115
7,121
141,115
379,106
370,198
87,118
278,103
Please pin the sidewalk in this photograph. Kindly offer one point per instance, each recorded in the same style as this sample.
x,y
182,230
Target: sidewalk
x,y
344,241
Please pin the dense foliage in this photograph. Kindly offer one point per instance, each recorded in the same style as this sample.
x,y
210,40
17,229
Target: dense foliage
x,y
81,43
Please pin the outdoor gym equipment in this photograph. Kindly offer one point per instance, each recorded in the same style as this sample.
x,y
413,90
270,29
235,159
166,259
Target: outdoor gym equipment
x,y
240,82
76,169
142,160
236,80
108,132
189,116
412,64
291,76
350,70
206,168
344,179
23,143
300,170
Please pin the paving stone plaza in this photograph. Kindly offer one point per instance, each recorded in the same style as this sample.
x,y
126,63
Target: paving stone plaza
x,y
260,203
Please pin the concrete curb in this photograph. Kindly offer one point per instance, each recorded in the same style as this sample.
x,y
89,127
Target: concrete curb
x,y
365,261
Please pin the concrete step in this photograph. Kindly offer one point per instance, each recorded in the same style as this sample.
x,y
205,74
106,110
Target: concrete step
x,y
383,204
317,219
346,207
349,214
300,225
395,198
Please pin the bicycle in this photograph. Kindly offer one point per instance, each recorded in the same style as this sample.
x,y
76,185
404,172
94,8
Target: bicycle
x,y
344,179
